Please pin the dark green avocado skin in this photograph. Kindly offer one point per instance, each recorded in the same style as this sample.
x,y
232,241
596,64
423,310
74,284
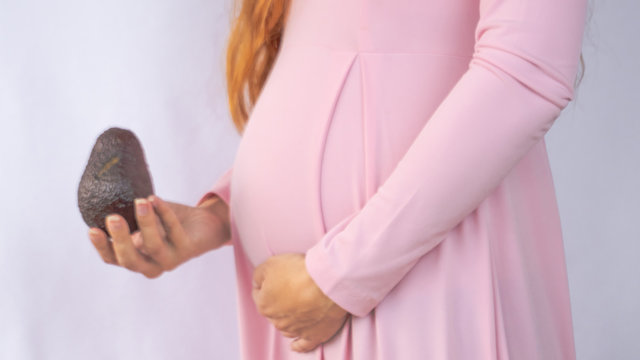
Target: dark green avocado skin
x,y
115,175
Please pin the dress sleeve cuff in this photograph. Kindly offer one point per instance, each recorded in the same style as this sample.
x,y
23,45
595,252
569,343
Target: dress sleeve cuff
x,y
325,274
222,189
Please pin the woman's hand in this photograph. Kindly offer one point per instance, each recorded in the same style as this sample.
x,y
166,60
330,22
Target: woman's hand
x,y
285,293
169,235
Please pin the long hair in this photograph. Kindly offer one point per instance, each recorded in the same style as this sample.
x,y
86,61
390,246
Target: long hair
x,y
255,37
253,44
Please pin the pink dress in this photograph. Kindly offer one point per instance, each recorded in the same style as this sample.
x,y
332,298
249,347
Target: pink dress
x,y
400,145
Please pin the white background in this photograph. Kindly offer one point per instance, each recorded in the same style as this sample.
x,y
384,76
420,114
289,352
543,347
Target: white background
x,y
71,69
594,149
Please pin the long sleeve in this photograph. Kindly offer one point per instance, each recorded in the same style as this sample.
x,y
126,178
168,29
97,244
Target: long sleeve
x,y
221,188
518,81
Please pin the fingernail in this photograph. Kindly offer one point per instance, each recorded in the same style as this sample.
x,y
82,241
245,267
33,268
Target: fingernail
x,y
141,206
93,233
114,222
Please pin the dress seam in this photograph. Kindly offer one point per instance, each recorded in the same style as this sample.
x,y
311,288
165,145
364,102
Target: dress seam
x,y
498,321
323,141
381,52
365,128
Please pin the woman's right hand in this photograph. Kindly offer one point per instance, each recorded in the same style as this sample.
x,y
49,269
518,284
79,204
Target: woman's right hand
x,y
169,235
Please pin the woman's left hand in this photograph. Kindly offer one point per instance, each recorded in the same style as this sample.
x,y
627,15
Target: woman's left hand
x,y
285,293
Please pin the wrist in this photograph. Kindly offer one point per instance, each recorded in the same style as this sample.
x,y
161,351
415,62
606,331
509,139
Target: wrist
x,y
220,210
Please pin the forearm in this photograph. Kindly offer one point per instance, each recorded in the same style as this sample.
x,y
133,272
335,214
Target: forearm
x,y
519,79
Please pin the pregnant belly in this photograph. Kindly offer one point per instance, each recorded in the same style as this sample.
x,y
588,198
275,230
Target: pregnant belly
x,y
277,182
323,137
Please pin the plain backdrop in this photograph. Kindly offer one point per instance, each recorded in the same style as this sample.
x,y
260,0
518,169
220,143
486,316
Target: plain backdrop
x,y
71,69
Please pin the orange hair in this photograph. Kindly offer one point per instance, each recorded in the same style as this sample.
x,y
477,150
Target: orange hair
x,y
252,48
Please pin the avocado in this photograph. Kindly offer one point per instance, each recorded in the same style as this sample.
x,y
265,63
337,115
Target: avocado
x,y
115,175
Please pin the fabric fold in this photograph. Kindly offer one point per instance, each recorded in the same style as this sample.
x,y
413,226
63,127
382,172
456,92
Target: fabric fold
x,y
499,109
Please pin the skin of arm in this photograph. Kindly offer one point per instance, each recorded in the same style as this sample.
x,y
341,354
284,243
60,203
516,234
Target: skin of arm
x,y
287,296
169,235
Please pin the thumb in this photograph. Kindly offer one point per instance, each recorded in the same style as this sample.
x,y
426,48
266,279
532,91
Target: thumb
x,y
303,345
171,224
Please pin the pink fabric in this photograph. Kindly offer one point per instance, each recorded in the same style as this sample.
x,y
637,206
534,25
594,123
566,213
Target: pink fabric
x,y
400,145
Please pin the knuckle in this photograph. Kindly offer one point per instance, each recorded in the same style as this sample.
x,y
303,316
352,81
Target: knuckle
x,y
153,248
290,327
128,264
186,249
280,324
170,265
152,274
266,310
311,336
305,346
262,308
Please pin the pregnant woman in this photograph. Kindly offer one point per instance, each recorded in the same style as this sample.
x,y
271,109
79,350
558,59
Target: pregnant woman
x,y
391,197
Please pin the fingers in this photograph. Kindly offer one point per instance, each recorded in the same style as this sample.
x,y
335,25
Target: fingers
x,y
150,239
125,253
171,223
291,325
309,337
103,245
258,276
289,334
256,292
304,345
257,295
